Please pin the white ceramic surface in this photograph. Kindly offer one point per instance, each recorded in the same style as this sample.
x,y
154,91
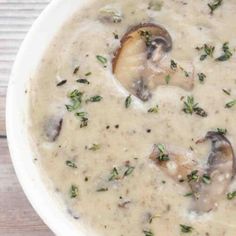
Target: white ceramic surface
x,y
30,53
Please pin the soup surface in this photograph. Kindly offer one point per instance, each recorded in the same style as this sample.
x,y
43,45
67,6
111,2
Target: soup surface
x,y
132,117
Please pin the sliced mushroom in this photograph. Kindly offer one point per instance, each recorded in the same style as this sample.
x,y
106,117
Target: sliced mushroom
x,y
208,184
221,169
143,62
53,128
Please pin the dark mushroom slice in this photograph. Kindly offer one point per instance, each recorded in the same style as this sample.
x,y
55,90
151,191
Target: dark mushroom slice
x,y
220,171
53,128
208,183
142,63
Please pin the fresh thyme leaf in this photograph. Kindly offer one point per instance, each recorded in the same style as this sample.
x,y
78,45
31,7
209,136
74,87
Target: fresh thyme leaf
x,y
201,77
227,53
214,5
207,49
76,70
129,171
81,114
128,101
191,107
84,122
95,147
88,74
96,98
83,81
186,228
199,111
114,174
162,155
153,109
102,190
227,91
206,179
74,191
193,176
167,79
148,233
222,131
230,104
61,83
71,164
76,99
231,196
188,194
146,36
101,59
173,65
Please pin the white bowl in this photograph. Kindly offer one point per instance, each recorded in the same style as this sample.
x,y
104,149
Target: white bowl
x,y
28,58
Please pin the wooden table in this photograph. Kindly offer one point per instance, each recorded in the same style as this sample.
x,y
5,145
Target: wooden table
x,y
17,218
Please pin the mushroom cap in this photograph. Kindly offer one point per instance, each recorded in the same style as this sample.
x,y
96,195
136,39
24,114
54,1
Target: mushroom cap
x,y
142,62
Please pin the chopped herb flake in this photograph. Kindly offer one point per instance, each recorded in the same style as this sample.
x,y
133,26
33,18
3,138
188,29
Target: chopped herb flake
x,y
84,122
167,79
191,107
148,233
61,83
71,164
227,91
190,194
206,179
222,131
76,99
88,74
128,101
230,104
208,50
186,229
114,174
201,77
214,5
162,155
74,191
129,171
193,176
173,65
95,147
83,81
231,196
153,109
227,53
146,36
96,98
102,190
101,59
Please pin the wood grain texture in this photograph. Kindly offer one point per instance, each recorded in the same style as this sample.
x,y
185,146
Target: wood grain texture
x,y
17,217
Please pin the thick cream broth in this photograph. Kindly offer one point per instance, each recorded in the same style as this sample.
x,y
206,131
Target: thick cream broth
x,y
101,167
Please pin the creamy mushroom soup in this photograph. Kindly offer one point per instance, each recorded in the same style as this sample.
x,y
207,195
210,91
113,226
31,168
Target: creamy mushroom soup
x,y
133,113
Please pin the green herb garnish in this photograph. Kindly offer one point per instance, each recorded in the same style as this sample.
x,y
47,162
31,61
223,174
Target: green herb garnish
x,y
88,74
222,131
162,155
230,104
190,194
83,81
227,53
76,100
95,147
101,59
208,50
74,191
114,174
231,196
102,190
147,36
129,170
227,91
167,79
84,122
186,229
96,98
148,233
214,5
201,77
61,83
155,5
173,65
191,107
193,176
153,109
128,101
71,164
206,179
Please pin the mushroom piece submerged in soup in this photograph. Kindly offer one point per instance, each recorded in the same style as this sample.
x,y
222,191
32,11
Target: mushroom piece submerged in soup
x,y
132,116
